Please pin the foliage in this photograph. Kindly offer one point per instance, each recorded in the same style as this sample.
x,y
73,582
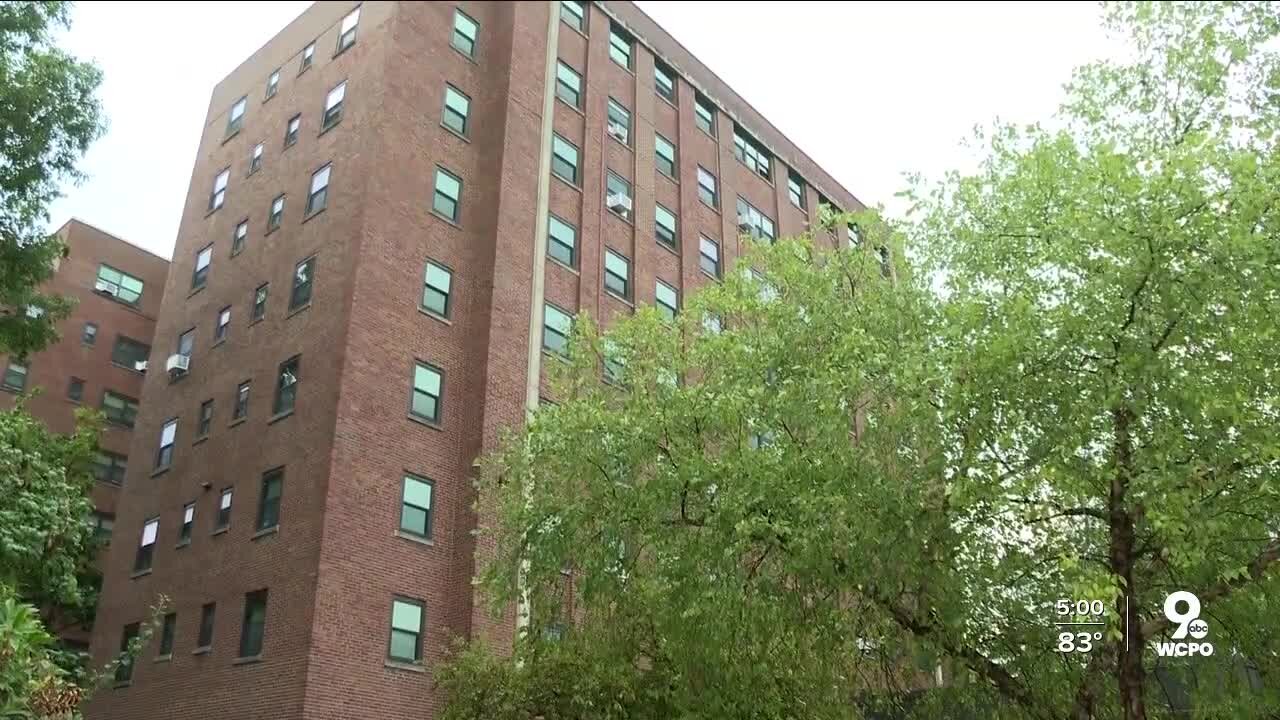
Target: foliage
x,y
861,481
33,681
48,117
45,479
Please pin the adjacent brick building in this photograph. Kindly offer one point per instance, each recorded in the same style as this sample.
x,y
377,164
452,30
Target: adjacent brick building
x,y
117,288
388,201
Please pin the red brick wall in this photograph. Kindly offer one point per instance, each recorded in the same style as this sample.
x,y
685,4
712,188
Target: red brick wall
x,y
222,568
50,371
337,561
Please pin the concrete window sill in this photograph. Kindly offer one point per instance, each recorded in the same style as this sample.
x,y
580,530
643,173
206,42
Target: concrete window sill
x,y
415,538
264,532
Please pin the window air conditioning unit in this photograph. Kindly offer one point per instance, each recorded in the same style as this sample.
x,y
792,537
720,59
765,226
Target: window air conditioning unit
x,y
177,364
618,132
619,203
140,366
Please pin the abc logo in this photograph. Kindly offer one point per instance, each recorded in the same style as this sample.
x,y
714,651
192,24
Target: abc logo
x,y
1198,628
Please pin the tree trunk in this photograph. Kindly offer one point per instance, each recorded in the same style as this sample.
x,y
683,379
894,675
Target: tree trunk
x,y
1129,669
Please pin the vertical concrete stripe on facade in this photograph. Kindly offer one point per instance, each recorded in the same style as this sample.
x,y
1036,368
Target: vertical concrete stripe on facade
x,y
538,286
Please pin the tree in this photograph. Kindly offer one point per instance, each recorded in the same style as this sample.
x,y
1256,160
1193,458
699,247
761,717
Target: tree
x,y
46,553
48,117
1067,390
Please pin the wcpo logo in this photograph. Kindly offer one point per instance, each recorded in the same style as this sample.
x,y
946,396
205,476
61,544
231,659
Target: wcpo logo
x,y
1189,623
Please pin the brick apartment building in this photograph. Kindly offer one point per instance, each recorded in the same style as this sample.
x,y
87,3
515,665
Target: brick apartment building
x,y
396,207
118,288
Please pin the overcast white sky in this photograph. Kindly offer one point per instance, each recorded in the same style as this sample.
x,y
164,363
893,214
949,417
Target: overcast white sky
x,y
871,91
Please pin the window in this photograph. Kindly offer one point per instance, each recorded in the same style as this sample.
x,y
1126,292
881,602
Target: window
x,y
273,84
795,190
855,235
241,408
219,194
617,195
464,33
746,149
128,352
254,625
15,376
102,525
204,639
406,631
146,546
664,81
614,364
255,159
568,85
886,267
556,328
709,256
124,670
347,36
768,293
223,519
665,225
435,289
707,192
619,122
223,326
448,194
333,107
121,286
239,236
206,418
75,389
303,279
166,634
119,409
619,46
664,156
276,215
200,275
89,335
188,522
168,435
617,274
668,300
574,13
260,301
109,467
563,241
235,120
286,386
753,222
415,506
759,440
704,114
564,159
457,107
291,130
318,197
269,501
308,56
425,403
187,342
